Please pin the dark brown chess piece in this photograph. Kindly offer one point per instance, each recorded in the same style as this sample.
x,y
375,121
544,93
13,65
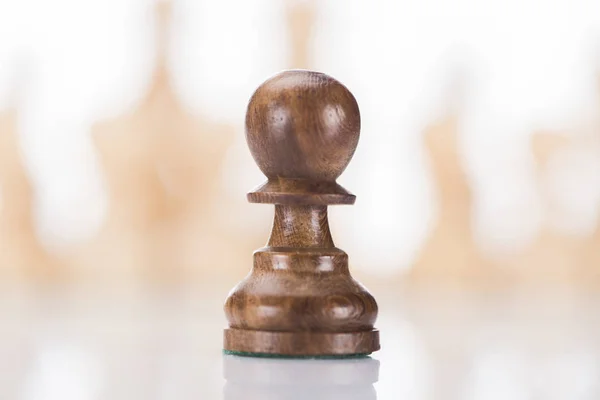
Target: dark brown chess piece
x,y
302,128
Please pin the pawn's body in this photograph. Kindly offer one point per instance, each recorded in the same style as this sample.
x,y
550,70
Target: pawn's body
x,y
300,300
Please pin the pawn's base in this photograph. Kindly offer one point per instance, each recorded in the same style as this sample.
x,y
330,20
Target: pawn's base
x,y
300,344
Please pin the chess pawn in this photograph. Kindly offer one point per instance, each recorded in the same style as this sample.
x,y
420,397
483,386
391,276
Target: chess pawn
x,y
302,128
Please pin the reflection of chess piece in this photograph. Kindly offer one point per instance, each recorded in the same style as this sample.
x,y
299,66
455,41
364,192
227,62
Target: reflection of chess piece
x,y
300,19
17,357
275,379
133,364
21,254
448,324
450,254
161,167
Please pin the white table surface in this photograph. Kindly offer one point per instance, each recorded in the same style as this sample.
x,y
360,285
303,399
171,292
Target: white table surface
x,y
135,343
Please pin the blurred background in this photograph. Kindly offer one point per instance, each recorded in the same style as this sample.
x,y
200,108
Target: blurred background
x,y
124,168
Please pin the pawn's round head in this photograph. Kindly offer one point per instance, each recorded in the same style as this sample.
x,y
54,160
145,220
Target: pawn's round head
x,y
302,125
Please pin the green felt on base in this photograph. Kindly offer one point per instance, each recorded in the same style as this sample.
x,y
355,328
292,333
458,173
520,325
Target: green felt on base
x,y
309,357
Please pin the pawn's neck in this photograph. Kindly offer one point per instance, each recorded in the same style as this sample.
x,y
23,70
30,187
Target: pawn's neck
x,y
300,226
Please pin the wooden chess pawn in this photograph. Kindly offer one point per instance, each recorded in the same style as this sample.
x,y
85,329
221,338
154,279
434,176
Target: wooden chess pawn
x,y
302,128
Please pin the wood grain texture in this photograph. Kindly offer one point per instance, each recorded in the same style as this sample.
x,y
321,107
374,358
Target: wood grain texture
x,y
300,191
303,343
302,128
300,226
